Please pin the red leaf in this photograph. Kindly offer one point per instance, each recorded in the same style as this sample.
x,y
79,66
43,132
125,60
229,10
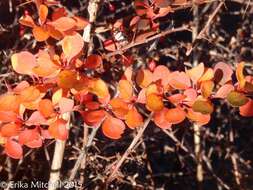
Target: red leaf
x,y
247,109
93,118
30,138
113,127
93,61
13,149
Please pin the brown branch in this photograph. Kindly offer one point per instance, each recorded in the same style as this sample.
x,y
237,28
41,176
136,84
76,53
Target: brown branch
x,y
140,42
129,149
207,25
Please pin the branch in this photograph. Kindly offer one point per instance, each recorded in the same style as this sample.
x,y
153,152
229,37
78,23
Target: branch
x,y
131,45
57,159
83,153
129,149
208,23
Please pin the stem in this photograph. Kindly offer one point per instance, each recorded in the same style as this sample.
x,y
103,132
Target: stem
x,y
197,150
129,149
82,155
54,178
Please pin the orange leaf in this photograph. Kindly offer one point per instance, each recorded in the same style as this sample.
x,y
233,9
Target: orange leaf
x,y
13,149
58,129
119,107
67,79
208,75
72,45
125,90
161,72
81,23
99,88
43,12
207,88
144,78
175,115
239,75
179,80
46,107
247,109
196,72
154,102
9,102
93,61
46,66
199,118
176,98
29,94
113,127
40,34
27,21
64,24
23,62
10,129
161,120
8,116
134,118
56,34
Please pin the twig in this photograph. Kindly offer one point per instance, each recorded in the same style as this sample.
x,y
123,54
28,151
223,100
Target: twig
x,y
234,160
129,149
161,34
83,153
202,32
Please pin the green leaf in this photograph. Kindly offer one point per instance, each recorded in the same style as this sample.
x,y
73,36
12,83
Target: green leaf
x,y
237,99
203,106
